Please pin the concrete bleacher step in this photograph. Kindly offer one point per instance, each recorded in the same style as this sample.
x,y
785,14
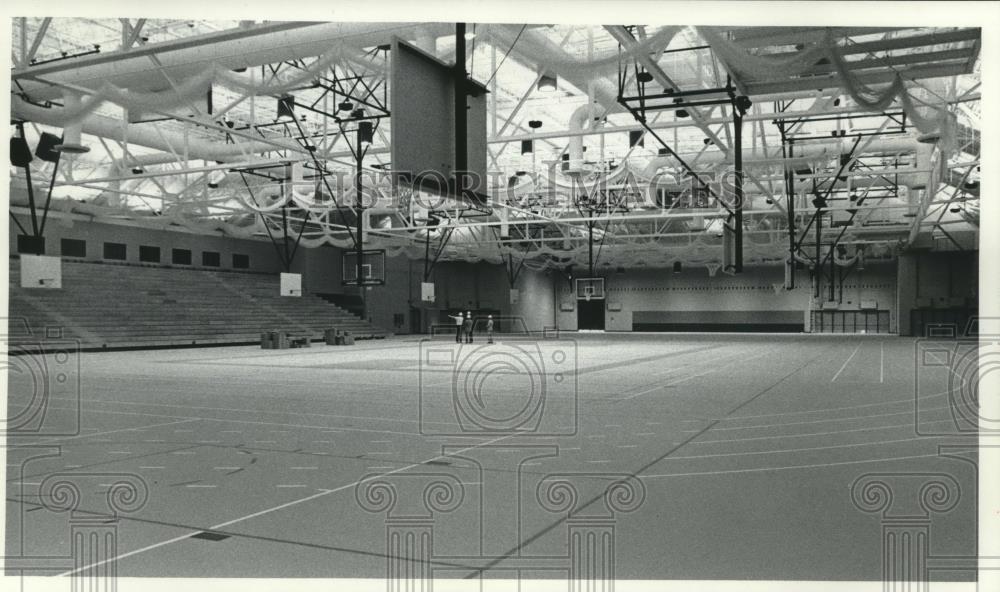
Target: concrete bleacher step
x,y
120,305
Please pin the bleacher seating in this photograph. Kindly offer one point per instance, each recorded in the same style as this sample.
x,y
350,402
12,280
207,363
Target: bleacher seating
x,y
110,305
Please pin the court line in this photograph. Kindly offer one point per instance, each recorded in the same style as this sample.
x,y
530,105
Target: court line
x,y
245,421
695,365
321,493
806,449
829,419
834,432
881,363
848,407
812,466
132,429
846,362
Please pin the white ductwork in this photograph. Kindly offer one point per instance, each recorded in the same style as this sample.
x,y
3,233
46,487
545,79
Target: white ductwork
x,y
142,73
804,153
589,115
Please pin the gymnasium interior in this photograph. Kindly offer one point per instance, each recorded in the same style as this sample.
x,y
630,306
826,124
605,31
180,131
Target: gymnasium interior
x,y
492,305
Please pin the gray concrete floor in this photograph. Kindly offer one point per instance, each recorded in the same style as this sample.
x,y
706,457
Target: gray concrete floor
x,y
746,448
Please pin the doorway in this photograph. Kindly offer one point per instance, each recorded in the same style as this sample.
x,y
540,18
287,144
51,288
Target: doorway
x,y
590,315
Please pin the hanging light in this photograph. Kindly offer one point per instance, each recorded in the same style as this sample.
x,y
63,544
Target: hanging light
x,y
644,77
366,132
46,149
547,82
534,124
527,147
286,108
345,106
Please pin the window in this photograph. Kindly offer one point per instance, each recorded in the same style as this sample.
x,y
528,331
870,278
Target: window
x,y
181,257
71,247
211,259
32,245
241,261
149,254
115,251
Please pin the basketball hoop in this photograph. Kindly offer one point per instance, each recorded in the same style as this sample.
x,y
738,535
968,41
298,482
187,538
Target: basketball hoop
x,y
586,296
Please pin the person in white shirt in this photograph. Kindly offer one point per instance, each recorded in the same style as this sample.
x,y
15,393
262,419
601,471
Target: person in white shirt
x,y
459,321
468,327
489,329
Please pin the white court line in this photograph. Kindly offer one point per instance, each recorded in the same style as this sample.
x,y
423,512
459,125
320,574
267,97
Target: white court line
x,y
881,362
829,419
834,432
807,449
813,466
321,493
59,439
846,362
327,429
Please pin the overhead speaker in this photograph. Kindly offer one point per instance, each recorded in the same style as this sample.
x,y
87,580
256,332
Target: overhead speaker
x,y
46,149
20,154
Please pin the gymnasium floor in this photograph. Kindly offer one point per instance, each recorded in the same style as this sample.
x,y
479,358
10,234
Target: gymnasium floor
x,y
746,447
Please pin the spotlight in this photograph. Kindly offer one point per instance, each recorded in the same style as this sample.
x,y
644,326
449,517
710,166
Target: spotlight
x,y
708,141
547,83
137,170
836,102
366,132
346,106
212,185
662,152
681,113
286,108
527,147
534,124
644,77
819,202
357,114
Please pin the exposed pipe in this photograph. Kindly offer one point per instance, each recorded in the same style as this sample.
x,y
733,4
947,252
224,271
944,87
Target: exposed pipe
x,y
141,73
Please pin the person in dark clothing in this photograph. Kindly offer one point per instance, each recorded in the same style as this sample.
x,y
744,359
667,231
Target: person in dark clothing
x,y
468,327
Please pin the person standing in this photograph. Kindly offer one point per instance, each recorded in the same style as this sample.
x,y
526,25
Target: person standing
x,y
468,326
489,329
459,322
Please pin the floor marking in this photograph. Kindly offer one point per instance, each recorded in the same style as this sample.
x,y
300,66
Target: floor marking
x,y
150,467
881,363
813,466
909,400
811,421
304,468
807,449
598,461
627,446
119,452
846,362
659,386
293,486
183,452
59,439
201,486
834,432
321,493
225,468
265,441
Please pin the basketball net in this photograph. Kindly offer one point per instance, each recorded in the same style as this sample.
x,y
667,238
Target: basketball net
x,y
586,296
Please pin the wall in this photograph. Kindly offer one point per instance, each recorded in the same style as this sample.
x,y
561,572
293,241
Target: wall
x,y
262,255
663,296
936,280
536,301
